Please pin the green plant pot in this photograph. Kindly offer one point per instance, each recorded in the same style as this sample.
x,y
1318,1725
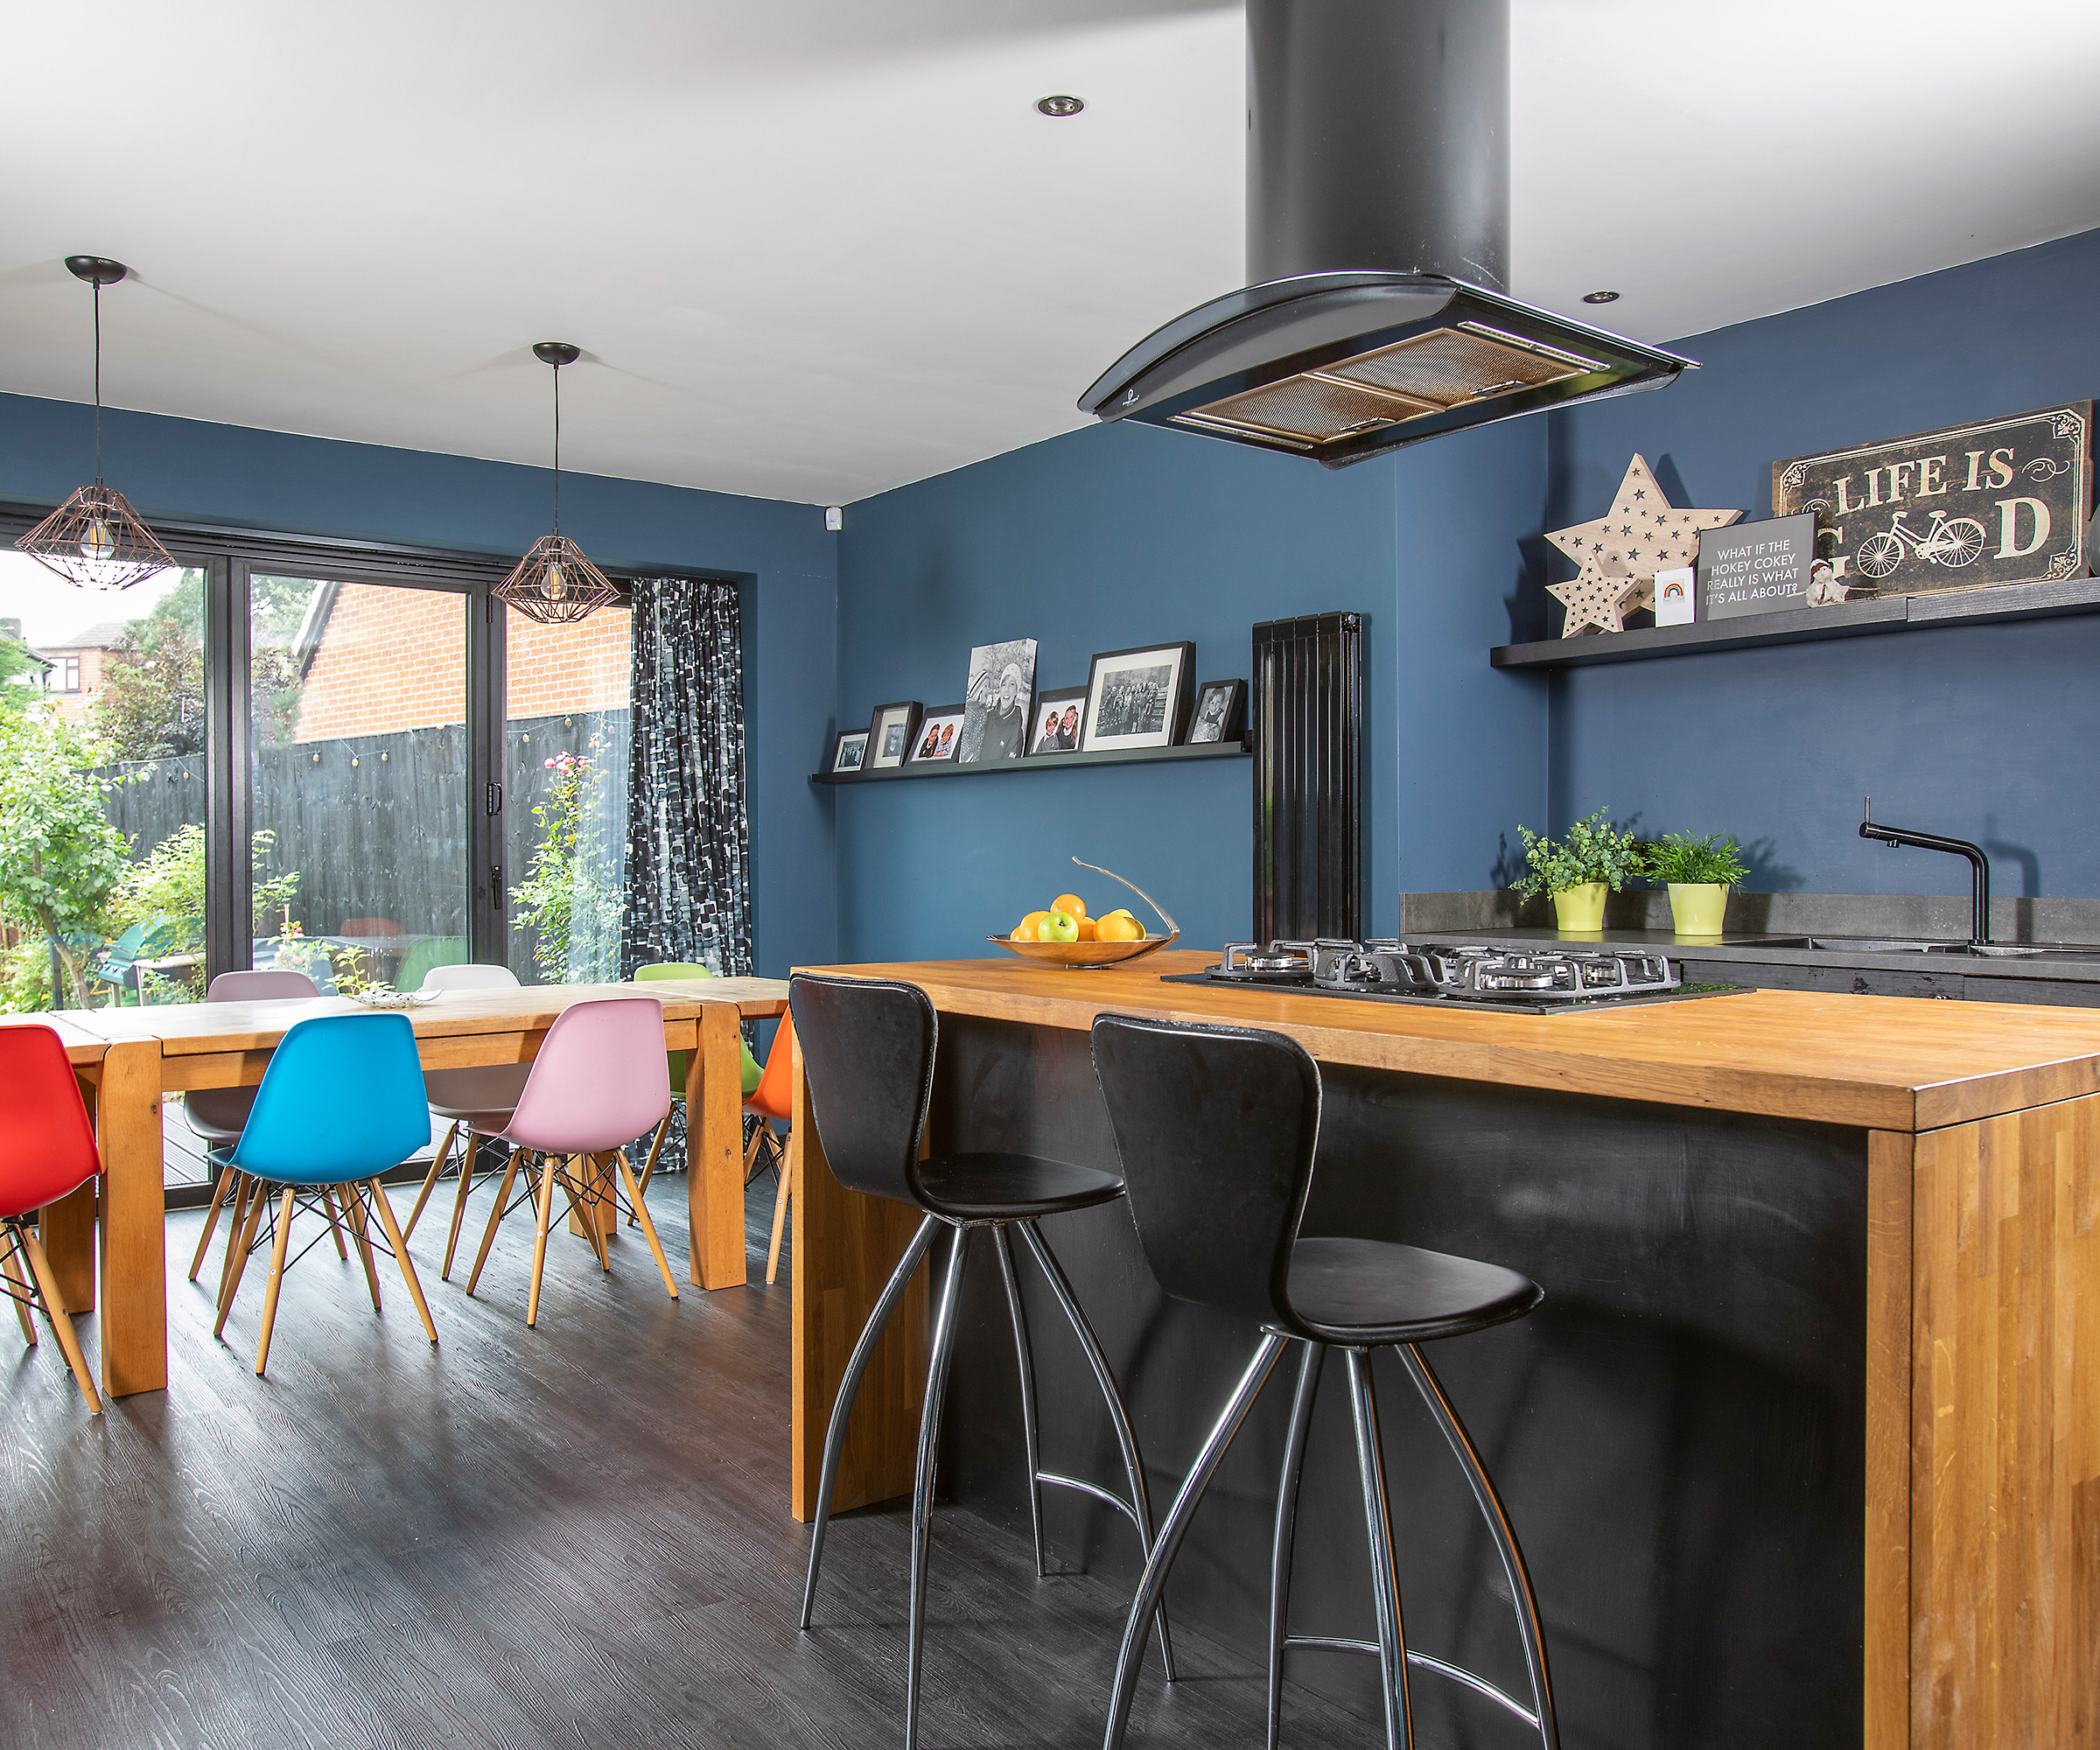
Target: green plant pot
x,y
1697,907
1581,908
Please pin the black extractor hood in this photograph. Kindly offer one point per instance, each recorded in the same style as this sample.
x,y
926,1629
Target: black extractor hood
x,y
1378,246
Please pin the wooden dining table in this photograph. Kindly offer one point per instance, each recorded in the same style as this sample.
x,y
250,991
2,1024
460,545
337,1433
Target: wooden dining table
x,y
129,1059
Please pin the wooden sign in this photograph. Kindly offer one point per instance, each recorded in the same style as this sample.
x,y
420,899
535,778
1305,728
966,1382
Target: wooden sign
x,y
1756,567
1967,507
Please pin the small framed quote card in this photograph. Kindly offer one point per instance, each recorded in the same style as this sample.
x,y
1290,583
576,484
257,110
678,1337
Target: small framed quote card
x,y
1755,567
1971,507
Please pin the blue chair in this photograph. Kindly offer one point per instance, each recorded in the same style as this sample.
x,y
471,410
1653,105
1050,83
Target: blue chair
x,y
341,1101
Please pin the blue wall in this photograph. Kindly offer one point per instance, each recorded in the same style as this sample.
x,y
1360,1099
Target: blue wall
x,y
187,470
1980,731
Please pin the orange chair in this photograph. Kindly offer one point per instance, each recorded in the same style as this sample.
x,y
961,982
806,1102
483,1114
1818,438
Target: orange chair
x,y
768,1104
46,1151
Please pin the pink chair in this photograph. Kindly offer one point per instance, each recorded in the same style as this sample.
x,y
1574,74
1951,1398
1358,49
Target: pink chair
x,y
218,1114
598,1082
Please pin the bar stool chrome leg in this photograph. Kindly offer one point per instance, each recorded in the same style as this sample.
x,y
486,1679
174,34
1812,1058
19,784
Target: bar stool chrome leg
x,y
922,1481
1030,1440
1149,1588
1286,1527
842,1410
1385,1579
1138,1509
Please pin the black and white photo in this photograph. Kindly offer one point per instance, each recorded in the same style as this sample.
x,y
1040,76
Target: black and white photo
x,y
850,750
1055,725
1138,699
1220,709
937,733
995,717
892,733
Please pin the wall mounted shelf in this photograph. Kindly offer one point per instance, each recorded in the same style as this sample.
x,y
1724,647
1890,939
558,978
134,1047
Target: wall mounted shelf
x,y
1058,762
1845,620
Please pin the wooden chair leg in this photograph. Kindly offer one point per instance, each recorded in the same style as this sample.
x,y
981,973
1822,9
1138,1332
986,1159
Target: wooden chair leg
x,y
780,1221
582,1204
429,1181
495,1216
466,1178
648,1228
276,1277
244,1188
649,1171
539,1241
11,1263
399,1240
61,1321
361,1231
335,1224
258,1199
219,1194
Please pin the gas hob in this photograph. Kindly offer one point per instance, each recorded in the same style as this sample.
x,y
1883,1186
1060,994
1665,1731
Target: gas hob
x,y
1530,978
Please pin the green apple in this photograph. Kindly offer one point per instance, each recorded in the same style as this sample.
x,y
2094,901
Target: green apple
x,y
1059,926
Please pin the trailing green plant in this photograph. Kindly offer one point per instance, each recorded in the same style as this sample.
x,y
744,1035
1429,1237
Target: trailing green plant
x,y
572,905
1592,850
1680,858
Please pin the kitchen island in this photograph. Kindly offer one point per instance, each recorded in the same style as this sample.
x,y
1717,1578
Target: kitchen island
x,y
1803,1445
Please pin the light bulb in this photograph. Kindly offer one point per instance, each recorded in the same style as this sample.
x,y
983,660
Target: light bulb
x,y
97,542
555,586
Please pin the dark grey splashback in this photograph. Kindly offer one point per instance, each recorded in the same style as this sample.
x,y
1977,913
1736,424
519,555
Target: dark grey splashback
x,y
1880,914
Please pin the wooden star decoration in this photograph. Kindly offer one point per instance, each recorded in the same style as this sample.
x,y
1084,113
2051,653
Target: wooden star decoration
x,y
1620,552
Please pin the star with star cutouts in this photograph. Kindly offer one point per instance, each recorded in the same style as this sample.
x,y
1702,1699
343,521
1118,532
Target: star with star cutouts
x,y
1617,576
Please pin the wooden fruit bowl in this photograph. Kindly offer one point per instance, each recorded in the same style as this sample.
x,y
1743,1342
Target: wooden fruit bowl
x,y
1084,954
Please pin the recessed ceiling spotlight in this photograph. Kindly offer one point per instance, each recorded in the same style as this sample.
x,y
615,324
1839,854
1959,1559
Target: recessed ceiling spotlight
x,y
1600,297
1061,106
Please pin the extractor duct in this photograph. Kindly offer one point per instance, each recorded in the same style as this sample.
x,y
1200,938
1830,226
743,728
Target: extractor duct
x,y
1377,245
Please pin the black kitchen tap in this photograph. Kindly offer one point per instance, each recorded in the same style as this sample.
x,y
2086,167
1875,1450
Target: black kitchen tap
x,y
1979,867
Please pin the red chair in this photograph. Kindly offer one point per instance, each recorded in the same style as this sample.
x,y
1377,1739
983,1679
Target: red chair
x,y
46,1151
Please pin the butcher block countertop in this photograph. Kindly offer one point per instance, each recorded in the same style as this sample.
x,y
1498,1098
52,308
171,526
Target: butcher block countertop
x,y
1886,1063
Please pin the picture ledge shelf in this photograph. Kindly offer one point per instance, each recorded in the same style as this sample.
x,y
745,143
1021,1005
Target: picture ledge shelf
x,y
1845,619
1054,762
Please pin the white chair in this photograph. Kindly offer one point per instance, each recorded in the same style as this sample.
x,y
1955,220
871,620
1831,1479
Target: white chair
x,y
462,1095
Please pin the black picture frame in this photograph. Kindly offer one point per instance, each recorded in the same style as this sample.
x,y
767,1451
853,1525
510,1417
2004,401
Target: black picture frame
x,y
945,721
1230,724
894,725
1064,700
1163,719
855,740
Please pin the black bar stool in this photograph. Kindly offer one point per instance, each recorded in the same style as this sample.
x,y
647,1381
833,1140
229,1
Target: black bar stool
x,y
867,1048
1217,1128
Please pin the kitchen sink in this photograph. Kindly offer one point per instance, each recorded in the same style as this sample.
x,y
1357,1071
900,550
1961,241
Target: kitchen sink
x,y
1989,950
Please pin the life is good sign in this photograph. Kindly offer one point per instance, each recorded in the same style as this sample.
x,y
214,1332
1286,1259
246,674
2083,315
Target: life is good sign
x,y
1968,507
1756,567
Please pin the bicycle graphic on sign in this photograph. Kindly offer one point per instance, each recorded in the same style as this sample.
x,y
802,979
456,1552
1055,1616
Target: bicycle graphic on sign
x,y
1952,544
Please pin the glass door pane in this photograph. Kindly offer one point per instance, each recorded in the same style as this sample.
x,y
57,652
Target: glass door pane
x,y
103,787
565,775
359,773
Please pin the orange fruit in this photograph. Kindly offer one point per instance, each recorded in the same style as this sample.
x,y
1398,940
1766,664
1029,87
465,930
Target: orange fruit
x,y
1070,904
1023,931
1086,930
1033,924
1120,927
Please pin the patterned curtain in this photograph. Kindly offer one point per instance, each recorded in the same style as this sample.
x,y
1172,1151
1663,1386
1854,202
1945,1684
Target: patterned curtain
x,y
689,851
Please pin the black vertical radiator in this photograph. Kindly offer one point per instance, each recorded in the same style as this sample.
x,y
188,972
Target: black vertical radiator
x,y
1307,718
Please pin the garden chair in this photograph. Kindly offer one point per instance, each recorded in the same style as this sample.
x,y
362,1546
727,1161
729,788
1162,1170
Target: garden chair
x,y
47,1152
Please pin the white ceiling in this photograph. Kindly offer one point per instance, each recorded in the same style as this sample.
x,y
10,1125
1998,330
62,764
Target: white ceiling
x,y
815,249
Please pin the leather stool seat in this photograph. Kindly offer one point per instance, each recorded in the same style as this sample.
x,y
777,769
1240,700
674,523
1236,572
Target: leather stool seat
x,y
1356,1292
1010,1187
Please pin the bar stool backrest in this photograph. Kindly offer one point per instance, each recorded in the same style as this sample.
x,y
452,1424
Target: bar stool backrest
x,y
599,1081
469,974
342,1099
1216,1127
271,984
867,1046
46,1143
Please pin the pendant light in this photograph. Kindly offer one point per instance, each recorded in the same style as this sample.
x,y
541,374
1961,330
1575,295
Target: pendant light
x,y
94,539
554,584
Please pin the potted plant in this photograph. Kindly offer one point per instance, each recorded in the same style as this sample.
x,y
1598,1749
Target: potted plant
x,y
1699,873
1593,859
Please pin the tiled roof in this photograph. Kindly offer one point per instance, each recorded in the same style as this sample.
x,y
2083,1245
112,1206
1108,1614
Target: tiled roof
x,y
102,636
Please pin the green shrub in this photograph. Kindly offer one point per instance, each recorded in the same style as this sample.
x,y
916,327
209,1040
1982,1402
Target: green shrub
x,y
1678,858
1593,850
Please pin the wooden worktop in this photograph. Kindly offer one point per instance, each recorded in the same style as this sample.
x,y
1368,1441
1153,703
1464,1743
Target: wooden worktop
x,y
1888,1063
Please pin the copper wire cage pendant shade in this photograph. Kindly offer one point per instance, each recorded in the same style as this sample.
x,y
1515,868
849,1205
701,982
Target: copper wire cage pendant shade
x,y
555,584
95,539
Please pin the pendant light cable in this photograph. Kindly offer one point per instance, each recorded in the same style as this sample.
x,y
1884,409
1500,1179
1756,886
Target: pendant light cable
x,y
557,449
98,382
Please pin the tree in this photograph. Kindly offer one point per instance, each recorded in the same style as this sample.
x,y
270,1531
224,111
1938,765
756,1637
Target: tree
x,y
21,677
60,859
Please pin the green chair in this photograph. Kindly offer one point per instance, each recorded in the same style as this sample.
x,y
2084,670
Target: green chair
x,y
654,973
436,951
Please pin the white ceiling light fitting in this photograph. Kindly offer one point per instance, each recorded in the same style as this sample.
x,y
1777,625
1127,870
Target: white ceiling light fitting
x,y
1059,105
555,584
95,539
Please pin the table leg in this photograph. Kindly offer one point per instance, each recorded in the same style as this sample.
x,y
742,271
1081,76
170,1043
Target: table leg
x,y
714,1150
135,1277
593,1172
845,1246
67,1228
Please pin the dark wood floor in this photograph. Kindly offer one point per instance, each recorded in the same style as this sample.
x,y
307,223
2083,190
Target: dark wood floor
x,y
576,1534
